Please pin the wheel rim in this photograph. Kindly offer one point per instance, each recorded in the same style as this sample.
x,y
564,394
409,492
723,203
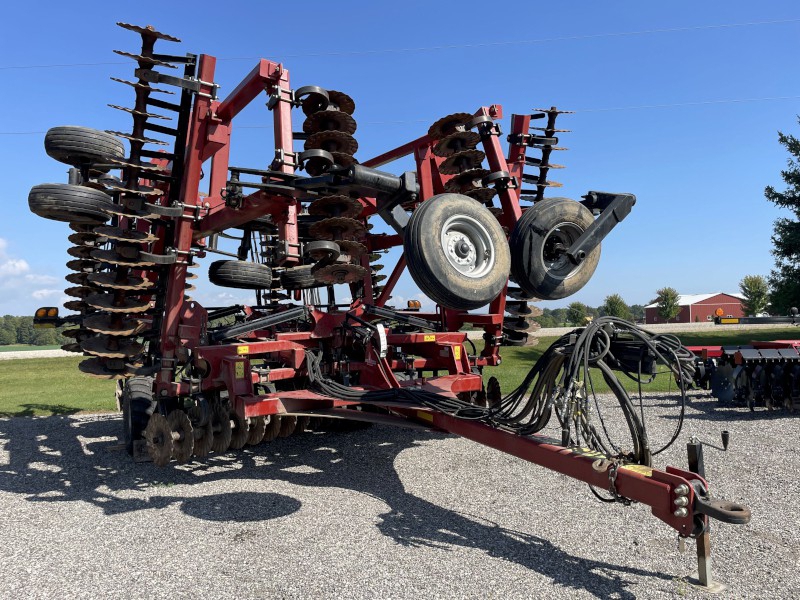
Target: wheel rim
x,y
468,246
554,249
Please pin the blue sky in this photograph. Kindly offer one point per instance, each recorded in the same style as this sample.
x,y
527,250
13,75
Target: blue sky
x,y
698,169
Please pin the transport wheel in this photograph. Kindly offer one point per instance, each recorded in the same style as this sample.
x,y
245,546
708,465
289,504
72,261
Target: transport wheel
x,y
457,252
81,146
539,263
138,406
299,278
240,274
72,203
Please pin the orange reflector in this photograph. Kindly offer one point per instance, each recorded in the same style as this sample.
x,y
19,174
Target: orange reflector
x,y
41,313
52,312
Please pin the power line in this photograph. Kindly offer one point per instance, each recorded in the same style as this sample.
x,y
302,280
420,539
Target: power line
x,y
580,110
565,38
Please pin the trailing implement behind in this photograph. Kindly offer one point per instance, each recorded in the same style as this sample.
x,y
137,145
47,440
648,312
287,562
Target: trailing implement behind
x,y
197,379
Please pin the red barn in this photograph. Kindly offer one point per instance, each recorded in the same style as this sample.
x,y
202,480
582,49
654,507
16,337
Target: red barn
x,y
699,307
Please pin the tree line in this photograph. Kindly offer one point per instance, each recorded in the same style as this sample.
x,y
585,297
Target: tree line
x,y
20,330
578,313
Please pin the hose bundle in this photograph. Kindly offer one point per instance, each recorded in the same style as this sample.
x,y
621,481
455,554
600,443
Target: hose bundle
x,y
561,382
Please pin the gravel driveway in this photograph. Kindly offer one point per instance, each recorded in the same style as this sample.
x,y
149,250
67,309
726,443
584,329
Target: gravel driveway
x,y
380,513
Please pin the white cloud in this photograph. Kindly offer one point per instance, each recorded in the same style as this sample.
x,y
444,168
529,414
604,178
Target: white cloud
x,y
44,293
13,266
41,279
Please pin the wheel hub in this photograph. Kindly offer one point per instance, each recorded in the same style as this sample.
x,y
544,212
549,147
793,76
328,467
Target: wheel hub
x,y
467,246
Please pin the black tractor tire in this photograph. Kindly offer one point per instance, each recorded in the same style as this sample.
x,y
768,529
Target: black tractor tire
x,y
81,146
240,274
537,269
138,406
299,278
71,203
457,252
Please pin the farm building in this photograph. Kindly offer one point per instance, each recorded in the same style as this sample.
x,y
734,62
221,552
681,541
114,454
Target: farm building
x,y
699,307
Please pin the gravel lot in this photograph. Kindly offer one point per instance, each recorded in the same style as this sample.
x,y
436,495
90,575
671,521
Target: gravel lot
x,y
383,512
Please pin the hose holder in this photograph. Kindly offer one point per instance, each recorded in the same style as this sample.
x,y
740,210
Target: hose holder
x,y
612,208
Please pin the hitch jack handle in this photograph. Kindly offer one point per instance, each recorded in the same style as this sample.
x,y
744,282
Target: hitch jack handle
x,y
613,209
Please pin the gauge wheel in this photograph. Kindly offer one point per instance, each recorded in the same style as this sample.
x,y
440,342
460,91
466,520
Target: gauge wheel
x,y
539,262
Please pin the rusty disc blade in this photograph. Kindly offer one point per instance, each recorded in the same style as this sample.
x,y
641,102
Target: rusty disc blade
x,y
273,428
80,278
203,434
114,324
77,333
340,273
80,291
158,435
112,346
102,368
87,238
221,429
351,248
82,265
139,113
329,120
82,252
462,161
342,101
76,305
114,304
456,142
113,281
133,138
337,227
332,141
288,425
449,125
240,431
72,347
343,160
335,206
112,258
256,427
182,447
482,195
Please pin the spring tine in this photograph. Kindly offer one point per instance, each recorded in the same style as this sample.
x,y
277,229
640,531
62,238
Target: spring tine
x,y
142,86
145,60
148,31
553,130
554,111
132,138
139,113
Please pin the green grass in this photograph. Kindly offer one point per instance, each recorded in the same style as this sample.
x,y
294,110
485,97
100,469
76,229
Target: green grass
x,y
22,347
518,361
51,386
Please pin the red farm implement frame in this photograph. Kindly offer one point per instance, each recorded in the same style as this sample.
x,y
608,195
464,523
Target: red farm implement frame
x,y
196,379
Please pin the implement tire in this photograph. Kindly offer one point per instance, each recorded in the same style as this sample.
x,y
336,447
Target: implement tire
x,y
70,203
457,252
536,265
240,274
82,146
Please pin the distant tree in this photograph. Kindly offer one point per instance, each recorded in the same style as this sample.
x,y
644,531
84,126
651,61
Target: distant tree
x,y
637,312
755,290
560,316
546,319
785,277
614,306
576,313
667,301
7,336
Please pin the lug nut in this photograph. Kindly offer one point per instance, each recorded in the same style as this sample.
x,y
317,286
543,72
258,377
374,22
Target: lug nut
x,y
682,490
681,501
680,512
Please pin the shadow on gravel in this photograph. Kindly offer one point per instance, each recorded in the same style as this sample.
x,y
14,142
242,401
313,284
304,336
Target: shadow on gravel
x,y
54,459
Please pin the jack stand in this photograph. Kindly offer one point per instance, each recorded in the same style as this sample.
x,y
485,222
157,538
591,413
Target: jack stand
x,y
704,580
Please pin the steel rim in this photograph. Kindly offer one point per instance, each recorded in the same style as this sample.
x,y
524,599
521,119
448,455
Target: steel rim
x,y
554,250
468,246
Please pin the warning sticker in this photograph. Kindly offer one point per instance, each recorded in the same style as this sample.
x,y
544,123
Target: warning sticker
x,y
428,338
238,370
242,349
457,352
